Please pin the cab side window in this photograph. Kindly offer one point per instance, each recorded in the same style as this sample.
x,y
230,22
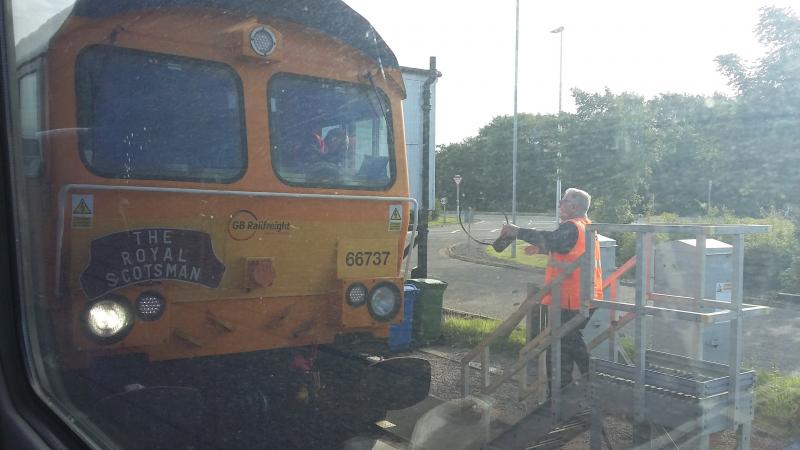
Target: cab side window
x,y
327,133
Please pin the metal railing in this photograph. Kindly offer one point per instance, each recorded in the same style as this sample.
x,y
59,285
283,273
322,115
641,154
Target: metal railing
x,y
550,336
690,310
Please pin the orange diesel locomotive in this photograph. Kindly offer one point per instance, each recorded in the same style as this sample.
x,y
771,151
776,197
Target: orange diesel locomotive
x,y
223,190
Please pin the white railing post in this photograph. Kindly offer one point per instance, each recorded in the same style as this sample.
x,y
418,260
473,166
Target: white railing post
x,y
639,424
734,389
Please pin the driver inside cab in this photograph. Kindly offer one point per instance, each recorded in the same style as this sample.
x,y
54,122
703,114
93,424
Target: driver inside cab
x,y
333,148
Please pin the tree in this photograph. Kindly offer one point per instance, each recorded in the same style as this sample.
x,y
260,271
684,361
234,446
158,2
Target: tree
x,y
762,148
637,156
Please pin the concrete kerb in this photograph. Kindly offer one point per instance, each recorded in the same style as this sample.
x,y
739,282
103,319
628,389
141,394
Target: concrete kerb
x,y
452,252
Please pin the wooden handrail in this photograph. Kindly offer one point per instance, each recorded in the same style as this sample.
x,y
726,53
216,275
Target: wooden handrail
x,y
612,328
543,340
541,346
544,334
514,319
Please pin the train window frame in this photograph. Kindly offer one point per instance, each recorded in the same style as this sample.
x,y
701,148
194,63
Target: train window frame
x,y
390,140
85,116
33,157
28,418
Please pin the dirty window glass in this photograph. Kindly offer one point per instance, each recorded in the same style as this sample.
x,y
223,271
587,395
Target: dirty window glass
x,y
145,117
367,224
326,132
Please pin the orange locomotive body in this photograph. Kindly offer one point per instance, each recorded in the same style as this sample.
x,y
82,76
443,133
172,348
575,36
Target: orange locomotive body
x,y
218,180
251,218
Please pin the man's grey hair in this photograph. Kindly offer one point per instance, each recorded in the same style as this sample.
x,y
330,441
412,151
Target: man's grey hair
x,y
580,198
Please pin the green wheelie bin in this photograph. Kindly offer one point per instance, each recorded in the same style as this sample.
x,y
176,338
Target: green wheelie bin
x,y
427,323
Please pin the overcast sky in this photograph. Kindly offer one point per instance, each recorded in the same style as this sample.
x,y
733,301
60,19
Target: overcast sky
x,y
646,47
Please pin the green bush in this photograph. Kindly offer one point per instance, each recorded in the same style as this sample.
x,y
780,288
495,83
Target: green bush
x,y
608,210
767,255
768,258
790,278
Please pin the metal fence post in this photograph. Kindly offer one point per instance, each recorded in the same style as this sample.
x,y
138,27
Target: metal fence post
x,y
734,389
640,428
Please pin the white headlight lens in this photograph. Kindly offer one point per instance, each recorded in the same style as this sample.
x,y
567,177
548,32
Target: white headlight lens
x,y
356,295
384,301
262,41
108,318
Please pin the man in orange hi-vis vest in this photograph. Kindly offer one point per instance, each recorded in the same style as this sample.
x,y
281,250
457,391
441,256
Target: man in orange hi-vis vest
x,y
564,246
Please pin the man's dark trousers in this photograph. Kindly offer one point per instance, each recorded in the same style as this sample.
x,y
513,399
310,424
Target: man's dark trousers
x,y
573,349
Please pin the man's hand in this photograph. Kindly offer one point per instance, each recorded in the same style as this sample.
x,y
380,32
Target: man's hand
x,y
509,230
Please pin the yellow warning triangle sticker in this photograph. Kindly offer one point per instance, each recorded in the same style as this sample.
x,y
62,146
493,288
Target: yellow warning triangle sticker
x,y
395,215
82,208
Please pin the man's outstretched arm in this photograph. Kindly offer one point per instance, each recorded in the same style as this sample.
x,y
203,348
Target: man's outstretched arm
x,y
561,240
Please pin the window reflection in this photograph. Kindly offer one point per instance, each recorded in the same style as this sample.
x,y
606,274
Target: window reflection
x,y
153,116
329,133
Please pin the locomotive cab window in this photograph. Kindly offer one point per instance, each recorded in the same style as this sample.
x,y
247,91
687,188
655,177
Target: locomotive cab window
x,y
145,119
330,134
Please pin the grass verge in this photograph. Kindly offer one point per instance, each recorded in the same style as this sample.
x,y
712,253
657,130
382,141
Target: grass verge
x,y
439,221
468,332
537,261
778,403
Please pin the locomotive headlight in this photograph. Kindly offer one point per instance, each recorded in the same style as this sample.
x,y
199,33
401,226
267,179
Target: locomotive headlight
x,y
109,319
262,40
356,295
150,306
384,301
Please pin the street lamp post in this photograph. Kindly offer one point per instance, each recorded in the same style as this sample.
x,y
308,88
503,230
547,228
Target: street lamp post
x,y
514,143
560,32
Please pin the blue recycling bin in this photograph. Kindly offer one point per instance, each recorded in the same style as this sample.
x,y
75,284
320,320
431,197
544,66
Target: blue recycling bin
x,y
400,334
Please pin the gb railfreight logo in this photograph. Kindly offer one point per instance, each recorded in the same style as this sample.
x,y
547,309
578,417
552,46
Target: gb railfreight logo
x,y
244,224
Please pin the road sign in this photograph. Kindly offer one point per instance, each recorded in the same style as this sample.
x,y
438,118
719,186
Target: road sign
x,y
443,201
457,179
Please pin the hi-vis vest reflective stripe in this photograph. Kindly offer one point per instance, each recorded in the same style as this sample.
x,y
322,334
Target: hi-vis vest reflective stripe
x,y
571,286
